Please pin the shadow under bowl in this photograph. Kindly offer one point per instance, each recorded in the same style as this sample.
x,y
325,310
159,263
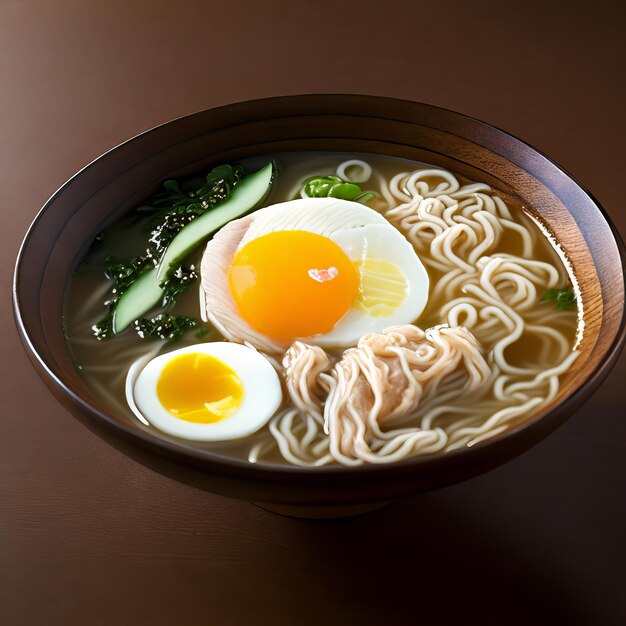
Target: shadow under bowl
x,y
118,180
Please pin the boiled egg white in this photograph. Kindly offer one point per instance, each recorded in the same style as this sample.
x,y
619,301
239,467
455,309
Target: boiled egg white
x,y
393,283
205,392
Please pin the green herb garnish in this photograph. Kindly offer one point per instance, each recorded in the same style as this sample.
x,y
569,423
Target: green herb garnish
x,y
218,184
335,187
172,210
164,326
123,276
564,299
203,333
177,281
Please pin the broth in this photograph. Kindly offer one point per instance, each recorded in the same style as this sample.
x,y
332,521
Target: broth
x,y
104,364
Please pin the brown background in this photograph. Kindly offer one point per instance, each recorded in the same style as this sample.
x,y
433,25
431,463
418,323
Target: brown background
x,y
90,537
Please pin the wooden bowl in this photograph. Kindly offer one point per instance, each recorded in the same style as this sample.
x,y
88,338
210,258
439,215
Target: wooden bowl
x,y
125,175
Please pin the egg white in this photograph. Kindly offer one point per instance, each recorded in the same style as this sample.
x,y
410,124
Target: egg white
x,y
322,216
262,394
379,241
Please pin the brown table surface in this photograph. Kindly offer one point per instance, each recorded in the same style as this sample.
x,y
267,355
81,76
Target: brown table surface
x,y
89,537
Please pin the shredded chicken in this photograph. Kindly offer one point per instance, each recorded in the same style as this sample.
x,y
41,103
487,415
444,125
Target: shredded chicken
x,y
379,382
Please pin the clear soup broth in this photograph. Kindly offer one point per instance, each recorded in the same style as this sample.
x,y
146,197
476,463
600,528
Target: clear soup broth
x,y
500,304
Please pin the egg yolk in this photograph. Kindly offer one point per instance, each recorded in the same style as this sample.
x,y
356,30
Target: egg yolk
x,y
198,387
383,287
293,283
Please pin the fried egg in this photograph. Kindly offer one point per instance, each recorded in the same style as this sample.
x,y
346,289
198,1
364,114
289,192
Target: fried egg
x,y
327,271
205,392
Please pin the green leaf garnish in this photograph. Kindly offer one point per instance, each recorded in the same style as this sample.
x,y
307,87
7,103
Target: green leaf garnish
x,y
335,187
164,326
171,210
564,299
203,333
216,187
177,281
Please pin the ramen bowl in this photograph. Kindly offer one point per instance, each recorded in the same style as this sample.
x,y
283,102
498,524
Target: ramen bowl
x,y
118,180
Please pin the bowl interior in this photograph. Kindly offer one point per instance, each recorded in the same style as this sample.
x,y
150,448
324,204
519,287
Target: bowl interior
x,y
124,176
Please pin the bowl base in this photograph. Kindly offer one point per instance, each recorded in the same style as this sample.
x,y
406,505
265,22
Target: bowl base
x,y
320,512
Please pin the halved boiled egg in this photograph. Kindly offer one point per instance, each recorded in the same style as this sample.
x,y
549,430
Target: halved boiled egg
x,y
393,283
205,392
327,271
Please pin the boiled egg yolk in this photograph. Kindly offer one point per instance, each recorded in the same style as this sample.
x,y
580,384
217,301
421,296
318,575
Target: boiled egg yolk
x,y
293,283
199,388
383,287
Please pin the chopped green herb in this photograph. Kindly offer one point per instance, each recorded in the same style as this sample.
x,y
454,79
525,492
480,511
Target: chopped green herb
x,y
177,281
203,333
335,187
564,299
164,326
104,328
172,210
219,183
124,275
